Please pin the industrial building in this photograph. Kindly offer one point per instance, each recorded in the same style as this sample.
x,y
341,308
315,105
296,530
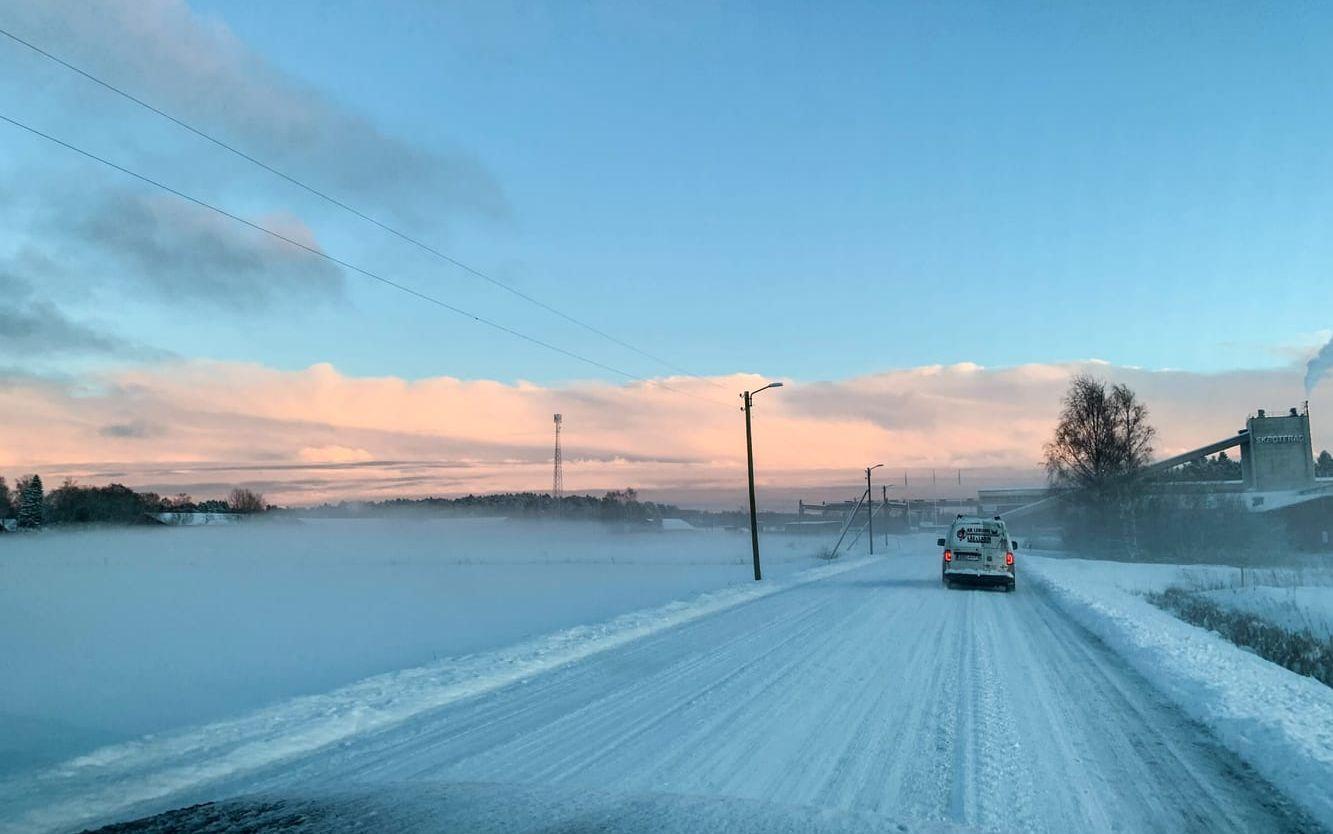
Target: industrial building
x,y
1277,476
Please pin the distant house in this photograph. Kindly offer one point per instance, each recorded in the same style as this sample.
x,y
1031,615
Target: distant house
x,y
818,527
192,519
677,525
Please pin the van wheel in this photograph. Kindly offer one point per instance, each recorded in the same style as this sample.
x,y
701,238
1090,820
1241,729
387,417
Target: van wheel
x,y
1013,583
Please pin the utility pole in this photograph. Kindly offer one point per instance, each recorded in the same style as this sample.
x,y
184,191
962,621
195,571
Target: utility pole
x,y
870,509
884,494
935,497
749,460
558,474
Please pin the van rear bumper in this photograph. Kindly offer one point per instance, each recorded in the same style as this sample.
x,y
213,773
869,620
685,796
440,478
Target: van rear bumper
x,y
979,577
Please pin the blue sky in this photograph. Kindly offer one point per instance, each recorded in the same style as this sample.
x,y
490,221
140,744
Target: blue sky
x,y
800,189
824,190
805,190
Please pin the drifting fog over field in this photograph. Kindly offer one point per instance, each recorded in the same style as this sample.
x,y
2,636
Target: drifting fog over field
x,y
113,633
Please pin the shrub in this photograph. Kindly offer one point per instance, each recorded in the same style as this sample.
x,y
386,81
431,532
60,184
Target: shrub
x,y
1300,651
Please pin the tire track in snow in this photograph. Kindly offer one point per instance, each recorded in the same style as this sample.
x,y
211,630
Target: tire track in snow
x,y
961,799
1004,787
921,775
871,766
628,715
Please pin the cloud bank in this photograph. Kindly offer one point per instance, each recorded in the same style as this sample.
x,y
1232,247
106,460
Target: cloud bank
x,y
318,434
34,327
184,254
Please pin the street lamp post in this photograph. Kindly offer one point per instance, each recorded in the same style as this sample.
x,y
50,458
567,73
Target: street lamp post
x,y
749,459
870,509
884,492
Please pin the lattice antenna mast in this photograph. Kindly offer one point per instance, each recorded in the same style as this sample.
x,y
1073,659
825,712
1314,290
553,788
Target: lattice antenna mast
x,y
558,476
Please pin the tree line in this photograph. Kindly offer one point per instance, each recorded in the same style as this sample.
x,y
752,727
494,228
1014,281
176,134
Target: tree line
x,y
621,505
1223,467
32,507
72,503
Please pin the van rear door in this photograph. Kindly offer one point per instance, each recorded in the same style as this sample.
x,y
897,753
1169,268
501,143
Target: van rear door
x,y
979,546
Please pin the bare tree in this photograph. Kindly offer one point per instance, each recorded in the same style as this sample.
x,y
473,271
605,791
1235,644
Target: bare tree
x,y
1102,440
245,501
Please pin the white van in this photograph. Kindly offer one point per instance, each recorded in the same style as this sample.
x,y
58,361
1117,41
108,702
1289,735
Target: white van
x,y
978,551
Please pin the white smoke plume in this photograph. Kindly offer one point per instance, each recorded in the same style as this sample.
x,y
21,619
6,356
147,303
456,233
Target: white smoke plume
x,y
1319,366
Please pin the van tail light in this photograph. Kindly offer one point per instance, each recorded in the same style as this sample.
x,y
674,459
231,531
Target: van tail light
x,y
948,555
1009,559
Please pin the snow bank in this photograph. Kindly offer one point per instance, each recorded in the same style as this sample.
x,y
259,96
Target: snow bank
x,y
1279,722
118,777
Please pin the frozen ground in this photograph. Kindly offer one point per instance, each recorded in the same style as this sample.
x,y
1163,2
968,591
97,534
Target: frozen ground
x,y
111,634
867,689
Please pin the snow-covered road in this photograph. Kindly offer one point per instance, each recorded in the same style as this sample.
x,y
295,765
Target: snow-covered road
x,y
872,690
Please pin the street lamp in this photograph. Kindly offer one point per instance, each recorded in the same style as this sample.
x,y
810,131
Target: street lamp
x,y
870,511
749,457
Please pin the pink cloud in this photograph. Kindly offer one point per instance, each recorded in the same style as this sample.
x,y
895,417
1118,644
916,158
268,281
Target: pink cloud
x,y
317,434
333,454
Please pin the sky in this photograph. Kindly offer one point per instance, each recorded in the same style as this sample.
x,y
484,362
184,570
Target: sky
x,y
922,217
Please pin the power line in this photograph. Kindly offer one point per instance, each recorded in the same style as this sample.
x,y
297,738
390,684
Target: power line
x,y
346,265
425,247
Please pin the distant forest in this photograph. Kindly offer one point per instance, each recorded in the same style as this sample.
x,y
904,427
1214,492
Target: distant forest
x,y
1220,468
32,507
621,506
616,505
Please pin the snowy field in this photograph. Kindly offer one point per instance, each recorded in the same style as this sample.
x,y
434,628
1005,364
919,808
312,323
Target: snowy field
x,y
1279,722
114,633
